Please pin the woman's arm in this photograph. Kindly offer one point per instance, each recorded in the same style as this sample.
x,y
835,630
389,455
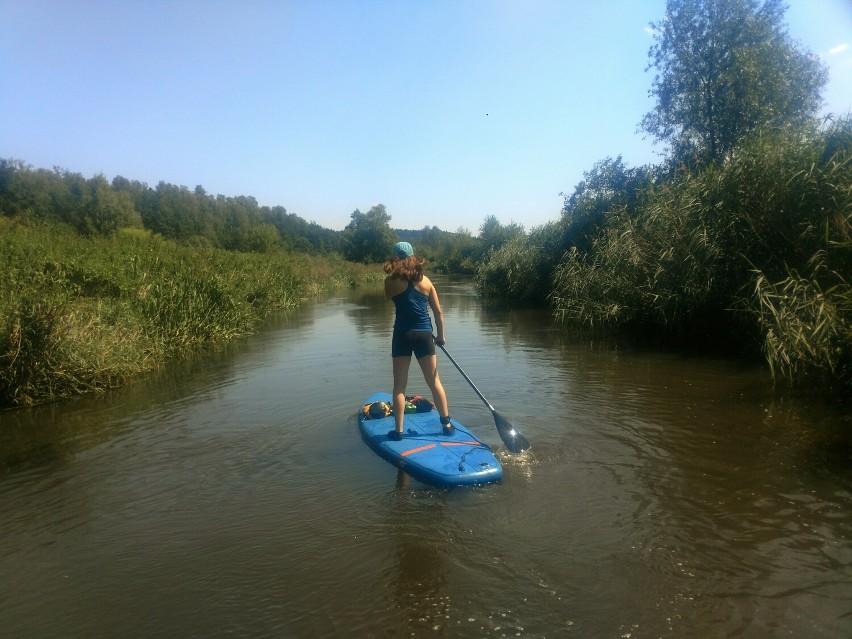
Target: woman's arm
x,y
435,304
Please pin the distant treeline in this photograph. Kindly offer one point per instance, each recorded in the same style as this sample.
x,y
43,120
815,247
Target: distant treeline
x,y
94,206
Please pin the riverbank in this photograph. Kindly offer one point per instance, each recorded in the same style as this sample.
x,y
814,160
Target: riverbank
x,y
749,254
82,315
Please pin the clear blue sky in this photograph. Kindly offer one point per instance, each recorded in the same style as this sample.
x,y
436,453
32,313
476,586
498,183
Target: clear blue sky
x,y
444,111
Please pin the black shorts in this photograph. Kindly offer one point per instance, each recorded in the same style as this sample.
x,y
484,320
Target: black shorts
x,y
421,343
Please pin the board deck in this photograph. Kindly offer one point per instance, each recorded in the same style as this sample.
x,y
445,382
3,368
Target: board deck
x,y
426,453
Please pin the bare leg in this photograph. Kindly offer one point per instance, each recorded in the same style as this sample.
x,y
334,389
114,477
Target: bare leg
x,y
429,366
400,381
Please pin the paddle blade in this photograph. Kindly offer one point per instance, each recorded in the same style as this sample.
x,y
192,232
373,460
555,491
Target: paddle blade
x,y
510,435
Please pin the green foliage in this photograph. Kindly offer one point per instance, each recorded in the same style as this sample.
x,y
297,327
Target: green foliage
x,y
519,272
95,207
262,238
654,271
195,218
369,237
493,235
726,69
610,186
57,334
463,255
295,234
744,235
102,211
807,330
437,246
80,315
755,248
518,269
448,252
485,257
24,191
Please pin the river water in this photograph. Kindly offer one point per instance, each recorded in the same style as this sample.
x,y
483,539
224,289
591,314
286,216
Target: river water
x,y
231,495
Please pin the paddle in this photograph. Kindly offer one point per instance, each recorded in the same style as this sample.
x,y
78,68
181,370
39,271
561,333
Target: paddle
x,y
514,441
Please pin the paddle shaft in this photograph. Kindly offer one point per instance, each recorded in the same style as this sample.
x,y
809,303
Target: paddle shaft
x,y
472,385
510,435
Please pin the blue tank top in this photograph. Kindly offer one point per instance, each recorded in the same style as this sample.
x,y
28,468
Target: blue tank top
x,y
412,313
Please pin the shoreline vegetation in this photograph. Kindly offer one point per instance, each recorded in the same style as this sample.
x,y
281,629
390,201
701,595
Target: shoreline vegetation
x,y
81,315
740,238
753,254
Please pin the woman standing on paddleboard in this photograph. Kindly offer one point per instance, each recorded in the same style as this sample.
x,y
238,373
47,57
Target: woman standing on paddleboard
x,y
411,292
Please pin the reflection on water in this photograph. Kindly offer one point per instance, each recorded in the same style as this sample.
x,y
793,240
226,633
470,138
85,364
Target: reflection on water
x,y
231,494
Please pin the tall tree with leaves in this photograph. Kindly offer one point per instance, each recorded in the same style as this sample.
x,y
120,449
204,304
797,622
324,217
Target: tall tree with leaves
x,y
724,69
610,187
368,237
493,235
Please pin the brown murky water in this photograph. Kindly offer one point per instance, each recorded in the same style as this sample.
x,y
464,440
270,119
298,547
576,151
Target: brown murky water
x,y
663,496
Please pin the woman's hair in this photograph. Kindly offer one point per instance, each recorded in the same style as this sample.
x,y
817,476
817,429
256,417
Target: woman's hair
x,y
410,268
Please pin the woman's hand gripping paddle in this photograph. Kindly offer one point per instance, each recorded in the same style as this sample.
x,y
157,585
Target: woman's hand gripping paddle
x,y
510,435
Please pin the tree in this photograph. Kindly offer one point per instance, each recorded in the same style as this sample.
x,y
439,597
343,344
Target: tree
x,y
493,235
368,237
726,68
102,210
608,188
262,238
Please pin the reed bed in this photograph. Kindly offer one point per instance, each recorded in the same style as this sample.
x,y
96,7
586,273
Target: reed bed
x,y
81,315
754,251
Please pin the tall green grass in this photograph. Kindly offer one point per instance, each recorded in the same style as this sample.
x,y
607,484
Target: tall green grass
x,y
807,330
755,250
519,271
81,315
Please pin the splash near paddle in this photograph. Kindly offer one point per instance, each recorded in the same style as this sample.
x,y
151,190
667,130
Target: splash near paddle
x,y
424,452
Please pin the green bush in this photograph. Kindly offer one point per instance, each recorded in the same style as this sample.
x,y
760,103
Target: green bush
x,y
755,248
519,272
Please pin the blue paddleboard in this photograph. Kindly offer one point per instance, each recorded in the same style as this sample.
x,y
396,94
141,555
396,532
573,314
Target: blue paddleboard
x,y
425,453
